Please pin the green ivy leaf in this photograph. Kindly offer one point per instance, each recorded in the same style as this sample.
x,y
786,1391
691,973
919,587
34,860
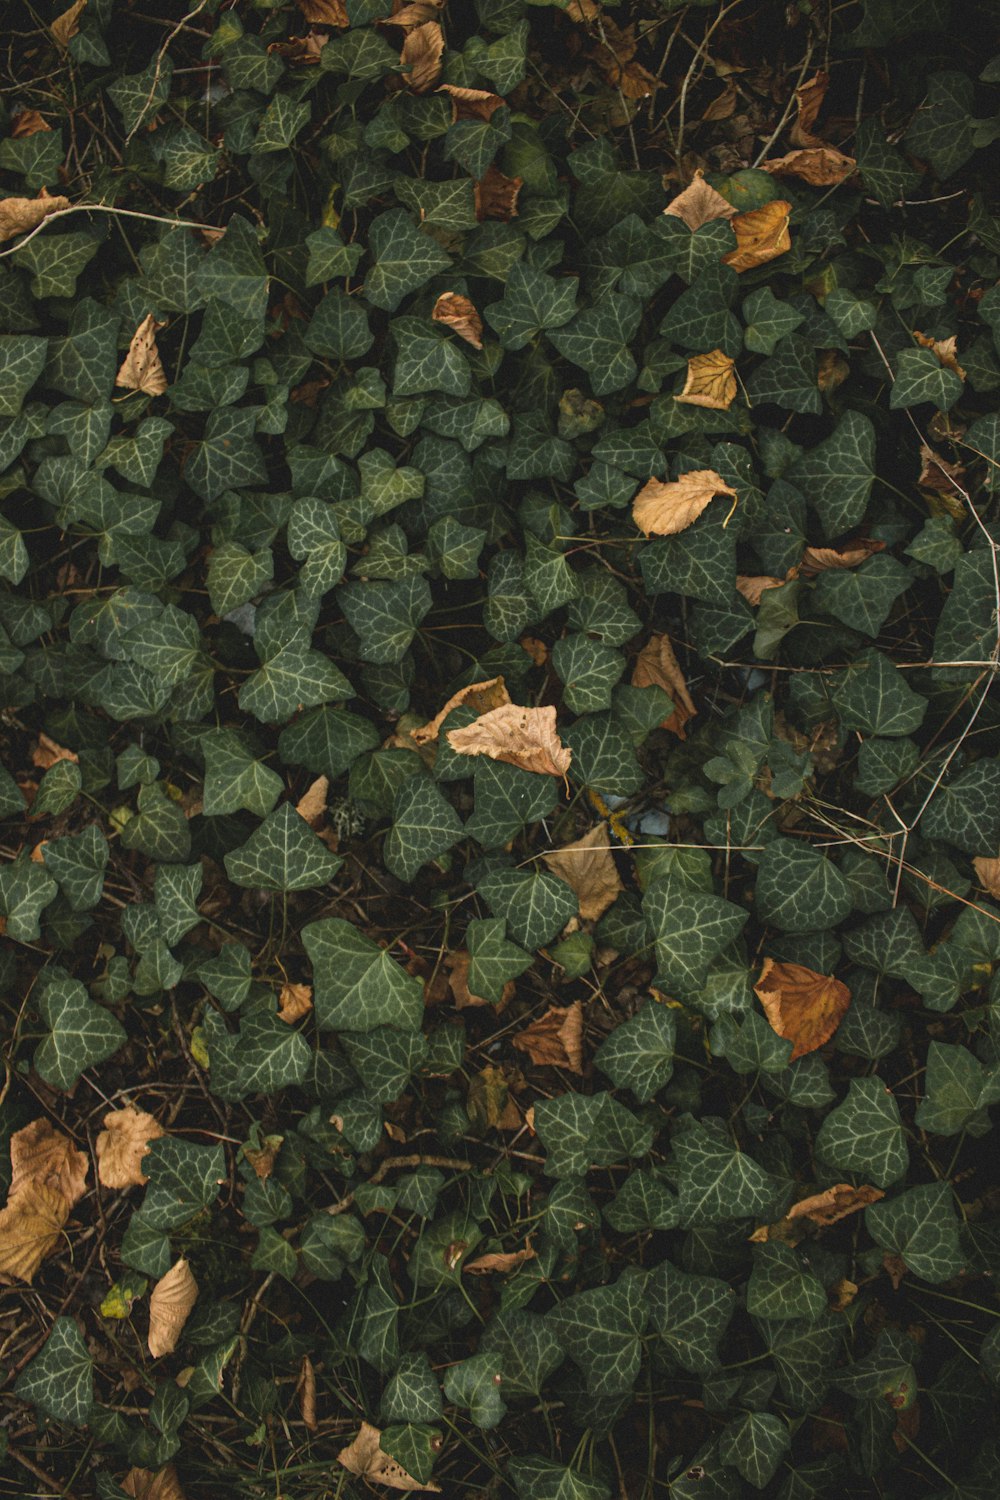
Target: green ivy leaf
x,y
864,1134
234,778
690,1313
717,1181
494,960
921,377
403,259
579,1131
873,697
921,1227
755,1444
597,340
81,1033
531,304
282,854
800,890
183,1180
837,474
537,1478
639,1053
601,1331
781,1288
357,985
957,1091
77,863
59,1381
688,930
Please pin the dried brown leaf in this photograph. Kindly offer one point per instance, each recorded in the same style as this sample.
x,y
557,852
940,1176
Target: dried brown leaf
x,y
987,868
656,665
937,474
724,104
42,1156
19,215
850,555
754,587
47,752
471,104
711,381
143,1484
365,1458
820,166
666,507
307,1393
312,804
459,314
28,122
809,100
294,1002
524,737
122,1144
458,981
834,1203
142,369
301,51
30,1227
421,56
588,868
479,696
945,351
761,235
501,1261
535,648
699,203
66,25
324,12
802,1006
555,1040
582,11
170,1305
496,195
414,14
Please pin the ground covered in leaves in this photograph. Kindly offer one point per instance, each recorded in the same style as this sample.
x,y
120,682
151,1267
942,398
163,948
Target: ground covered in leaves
x,y
500,798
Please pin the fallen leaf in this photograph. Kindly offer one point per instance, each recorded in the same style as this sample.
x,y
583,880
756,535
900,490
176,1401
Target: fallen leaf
x,y
263,1160
710,381
501,1261
536,649
582,11
421,56
761,235
937,474
809,99
301,51
413,15
895,1268
850,555
122,1144
555,1040
365,1458
724,104
588,868
945,351
479,696
753,587
524,737
987,869
666,507
802,1006
841,1294
42,1156
38,853
324,12
19,215
832,370
28,122
143,1484
496,195
459,314
294,1002
699,203
458,982
47,752
66,26
820,166
312,804
656,665
471,104
30,1227
834,1203
142,369
170,1304
306,1389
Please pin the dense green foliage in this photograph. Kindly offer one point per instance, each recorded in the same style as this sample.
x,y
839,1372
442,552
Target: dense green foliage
x,y
338,511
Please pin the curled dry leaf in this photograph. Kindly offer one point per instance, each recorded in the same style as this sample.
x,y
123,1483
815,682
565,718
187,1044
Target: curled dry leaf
x,y
820,166
459,314
142,369
656,665
263,1160
122,1144
761,235
143,1484
479,696
809,100
294,1002
471,104
802,1006
832,371
665,507
502,1261
496,195
582,11
20,215
301,51
28,122
458,982
306,1389
170,1305
834,1203
42,1156
711,381
535,648
421,56
850,555
945,351
30,1227
699,203
66,25
755,586
523,737
365,1458
415,14
324,12
312,804
937,474
555,1040
987,870
47,752
588,868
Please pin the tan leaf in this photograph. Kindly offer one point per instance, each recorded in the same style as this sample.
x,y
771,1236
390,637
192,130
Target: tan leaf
x,y
832,370
850,555
479,696
524,737
754,587
535,648
458,982
307,1393
170,1304
656,665
834,1203
502,1261
47,752
895,1268
555,1040
312,804
496,195
665,507
809,99
710,381
724,104
699,203
28,122
66,26
945,351
471,104
459,313
802,1006
143,1484
19,215
263,1160
30,1227
987,869
841,1294
588,868
41,1156
415,14
820,166
365,1458
937,474
582,10
142,368
489,1102
324,12
294,1002
421,56
761,235
123,1143
301,51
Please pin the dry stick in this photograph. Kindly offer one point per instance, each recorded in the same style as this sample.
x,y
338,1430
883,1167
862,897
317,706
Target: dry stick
x,y
449,1163
181,26
788,108
102,208
54,1485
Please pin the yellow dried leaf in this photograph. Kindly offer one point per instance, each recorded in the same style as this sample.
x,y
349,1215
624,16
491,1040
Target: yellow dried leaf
x,y
459,314
753,587
945,351
28,122
987,869
294,1002
122,1144
820,166
301,51
711,381
834,1203
665,507
656,665
306,1389
496,195
588,868
415,14
939,476
479,696
421,56
263,1160
47,752
500,1261
143,1484
842,1293
524,737
802,1006
471,104
66,26
142,369
850,555
312,804
555,1040
324,12
19,215
30,1226
170,1305
41,1156
761,235
809,99
699,203
458,982
365,1458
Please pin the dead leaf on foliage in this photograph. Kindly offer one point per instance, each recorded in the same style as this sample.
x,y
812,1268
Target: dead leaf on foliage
x,y
365,1458
523,737
471,104
301,51
42,1156
421,56
832,370
536,649
761,235
850,555
459,314
614,57
496,195
834,1203
479,696
142,369
489,1101
263,1160
555,1040
724,104
820,166
656,665
841,1294
143,1484
19,215
306,1389
312,804
458,982
666,507
66,26
809,100
588,868
699,203
28,122
294,1002
710,381
987,868
895,1268
945,351
170,1305
937,474
414,14
30,1227
582,11
324,12
47,752
802,1006
123,1143
753,587
501,1261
